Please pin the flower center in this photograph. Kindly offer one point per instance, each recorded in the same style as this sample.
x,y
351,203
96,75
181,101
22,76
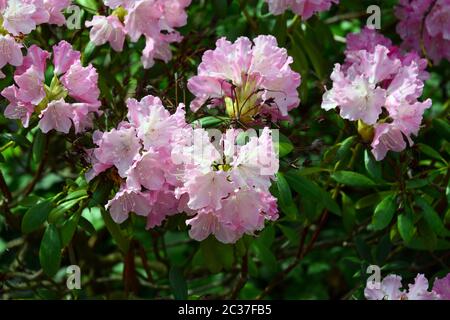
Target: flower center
x,y
120,12
244,102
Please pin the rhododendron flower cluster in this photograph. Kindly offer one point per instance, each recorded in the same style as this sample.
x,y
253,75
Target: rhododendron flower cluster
x,y
379,87
140,150
156,20
169,167
20,17
304,8
390,288
369,38
249,80
425,26
227,187
71,97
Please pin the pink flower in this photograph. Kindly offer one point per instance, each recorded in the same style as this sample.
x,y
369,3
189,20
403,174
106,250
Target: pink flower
x,y
31,90
374,79
107,29
81,82
56,116
227,189
17,109
127,201
55,8
10,51
164,204
387,137
207,190
256,163
207,223
119,148
156,20
31,86
141,150
64,56
148,171
425,22
21,16
368,39
83,114
442,287
246,79
154,123
390,289
35,57
157,49
141,18
304,8
116,3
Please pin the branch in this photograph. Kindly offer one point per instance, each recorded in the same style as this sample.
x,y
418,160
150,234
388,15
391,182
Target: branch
x,y
298,258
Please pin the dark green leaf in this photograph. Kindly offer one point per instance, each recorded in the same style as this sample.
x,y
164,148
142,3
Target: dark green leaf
x,y
307,188
50,251
432,218
384,212
114,229
178,284
68,229
353,179
284,146
373,167
39,146
405,227
36,216
429,151
217,255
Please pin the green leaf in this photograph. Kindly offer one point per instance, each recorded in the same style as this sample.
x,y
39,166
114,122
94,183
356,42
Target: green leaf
x,y
280,30
87,226
211,121
39,146
36,216
314,54
284,146
367,201
114,229
266,256
75,195
429,151
344,150
178,284
384,212
17,138
348,212
216,255
432,218
307,188
405,227
89,5
57,213
50,250
353,179
68,229
285,196
373,167
442,128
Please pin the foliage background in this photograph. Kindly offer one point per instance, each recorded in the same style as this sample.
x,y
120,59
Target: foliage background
x,y
340,210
